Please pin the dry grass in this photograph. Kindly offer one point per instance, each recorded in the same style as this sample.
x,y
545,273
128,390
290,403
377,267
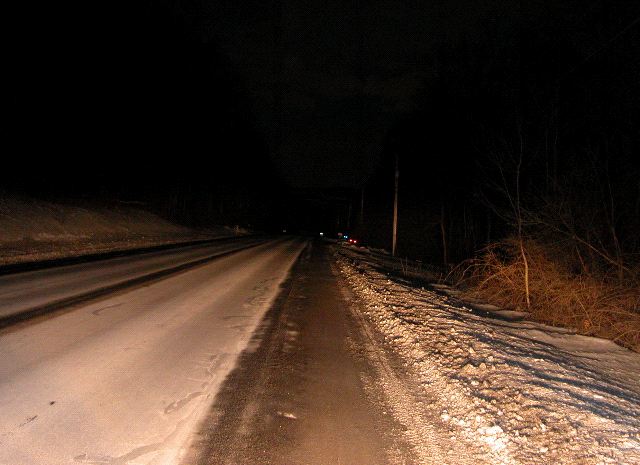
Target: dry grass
x,y
592,305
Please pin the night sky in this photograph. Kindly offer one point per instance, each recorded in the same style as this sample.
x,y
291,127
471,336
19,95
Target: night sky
x,y
284,112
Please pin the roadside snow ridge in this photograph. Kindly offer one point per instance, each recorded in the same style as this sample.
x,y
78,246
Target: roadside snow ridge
x,y
524,392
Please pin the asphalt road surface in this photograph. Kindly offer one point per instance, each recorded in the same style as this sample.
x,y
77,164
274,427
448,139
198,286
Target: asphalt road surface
x,y
126,378
252,357
308,392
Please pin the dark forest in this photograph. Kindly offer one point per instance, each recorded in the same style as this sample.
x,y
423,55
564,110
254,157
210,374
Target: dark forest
x,y
513,115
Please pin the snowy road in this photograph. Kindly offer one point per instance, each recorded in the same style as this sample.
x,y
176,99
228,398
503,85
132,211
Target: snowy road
x,y
34,290
124,379
272,356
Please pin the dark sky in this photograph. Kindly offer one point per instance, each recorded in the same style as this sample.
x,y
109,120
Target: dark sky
x,y
118,92
220,105
317,83
328,78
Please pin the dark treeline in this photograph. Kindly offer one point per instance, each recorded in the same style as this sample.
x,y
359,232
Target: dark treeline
x,y
531,122
128,101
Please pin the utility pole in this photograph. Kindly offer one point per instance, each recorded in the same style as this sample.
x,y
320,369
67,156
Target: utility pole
x,y
443,231
362,206
395,211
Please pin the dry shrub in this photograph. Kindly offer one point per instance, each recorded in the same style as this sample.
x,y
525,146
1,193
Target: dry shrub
x,y
592,305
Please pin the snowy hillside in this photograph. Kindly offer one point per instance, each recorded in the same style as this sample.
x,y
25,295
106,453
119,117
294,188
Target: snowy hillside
x,y
35,230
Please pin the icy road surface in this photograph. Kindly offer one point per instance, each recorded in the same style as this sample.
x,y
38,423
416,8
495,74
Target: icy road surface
x,y
125,379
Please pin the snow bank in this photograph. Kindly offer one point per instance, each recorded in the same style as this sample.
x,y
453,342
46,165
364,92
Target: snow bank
x,y
35,230
527,393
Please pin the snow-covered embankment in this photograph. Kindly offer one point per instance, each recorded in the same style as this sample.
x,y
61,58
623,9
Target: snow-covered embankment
x,y
524,392
33,230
